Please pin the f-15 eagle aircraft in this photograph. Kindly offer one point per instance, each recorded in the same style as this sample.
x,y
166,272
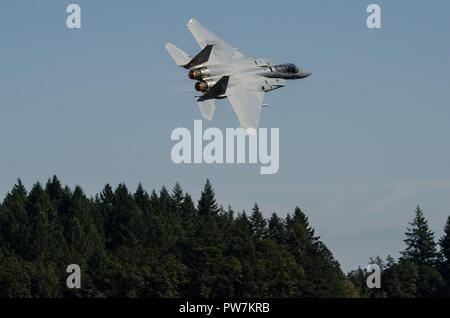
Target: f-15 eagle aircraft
x,y
221,71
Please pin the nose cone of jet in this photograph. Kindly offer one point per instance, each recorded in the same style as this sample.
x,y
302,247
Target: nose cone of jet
x,y
304,73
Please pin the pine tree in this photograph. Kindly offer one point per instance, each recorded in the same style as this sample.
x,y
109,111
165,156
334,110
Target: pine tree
x,y
158,246
54,189
301,218
323,276
207,247
44,227
142,199
258,224
444,243
178,198
300,235
207,205
166,203
188,207
14,221
124,223
420,244
188,215
277,231
242,246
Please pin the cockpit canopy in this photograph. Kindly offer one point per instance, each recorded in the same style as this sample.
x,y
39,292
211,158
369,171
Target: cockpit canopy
x,y
287,68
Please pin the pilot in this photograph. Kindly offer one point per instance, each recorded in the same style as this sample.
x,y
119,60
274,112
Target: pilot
x,y
292,68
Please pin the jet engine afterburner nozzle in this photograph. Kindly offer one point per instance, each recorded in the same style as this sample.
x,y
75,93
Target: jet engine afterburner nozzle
x,y
195,74
201,86
198,73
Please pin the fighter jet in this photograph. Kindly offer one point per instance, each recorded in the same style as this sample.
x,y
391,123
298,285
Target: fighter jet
x,y
221,71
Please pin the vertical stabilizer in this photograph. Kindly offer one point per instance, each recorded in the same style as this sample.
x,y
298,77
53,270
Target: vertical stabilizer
x,y
180,57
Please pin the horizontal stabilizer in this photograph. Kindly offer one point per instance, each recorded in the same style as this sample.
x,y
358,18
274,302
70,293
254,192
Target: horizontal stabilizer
x,y
180,57
217,90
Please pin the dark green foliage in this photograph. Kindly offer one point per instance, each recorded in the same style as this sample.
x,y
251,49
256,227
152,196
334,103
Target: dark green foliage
x,y
420,272
258,225
207,205
444,243
420,244
408,280
400,279
157,245
162,245
277,229
321,274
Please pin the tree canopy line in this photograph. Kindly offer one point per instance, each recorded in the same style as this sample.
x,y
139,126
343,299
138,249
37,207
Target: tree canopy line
x,y
423,270
162,244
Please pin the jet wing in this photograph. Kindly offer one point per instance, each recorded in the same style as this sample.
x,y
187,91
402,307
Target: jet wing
x,y
246,98
222,52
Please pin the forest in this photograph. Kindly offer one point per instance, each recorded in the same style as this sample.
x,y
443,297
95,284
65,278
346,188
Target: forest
x,y
164,245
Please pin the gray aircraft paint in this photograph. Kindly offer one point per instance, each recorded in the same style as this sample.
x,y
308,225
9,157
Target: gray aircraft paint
x,y
246,79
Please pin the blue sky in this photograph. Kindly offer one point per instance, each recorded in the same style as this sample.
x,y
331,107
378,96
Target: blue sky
x,y
362,141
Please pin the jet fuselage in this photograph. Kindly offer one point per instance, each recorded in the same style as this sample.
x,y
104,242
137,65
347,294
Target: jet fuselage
x,y
221,71
209,75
